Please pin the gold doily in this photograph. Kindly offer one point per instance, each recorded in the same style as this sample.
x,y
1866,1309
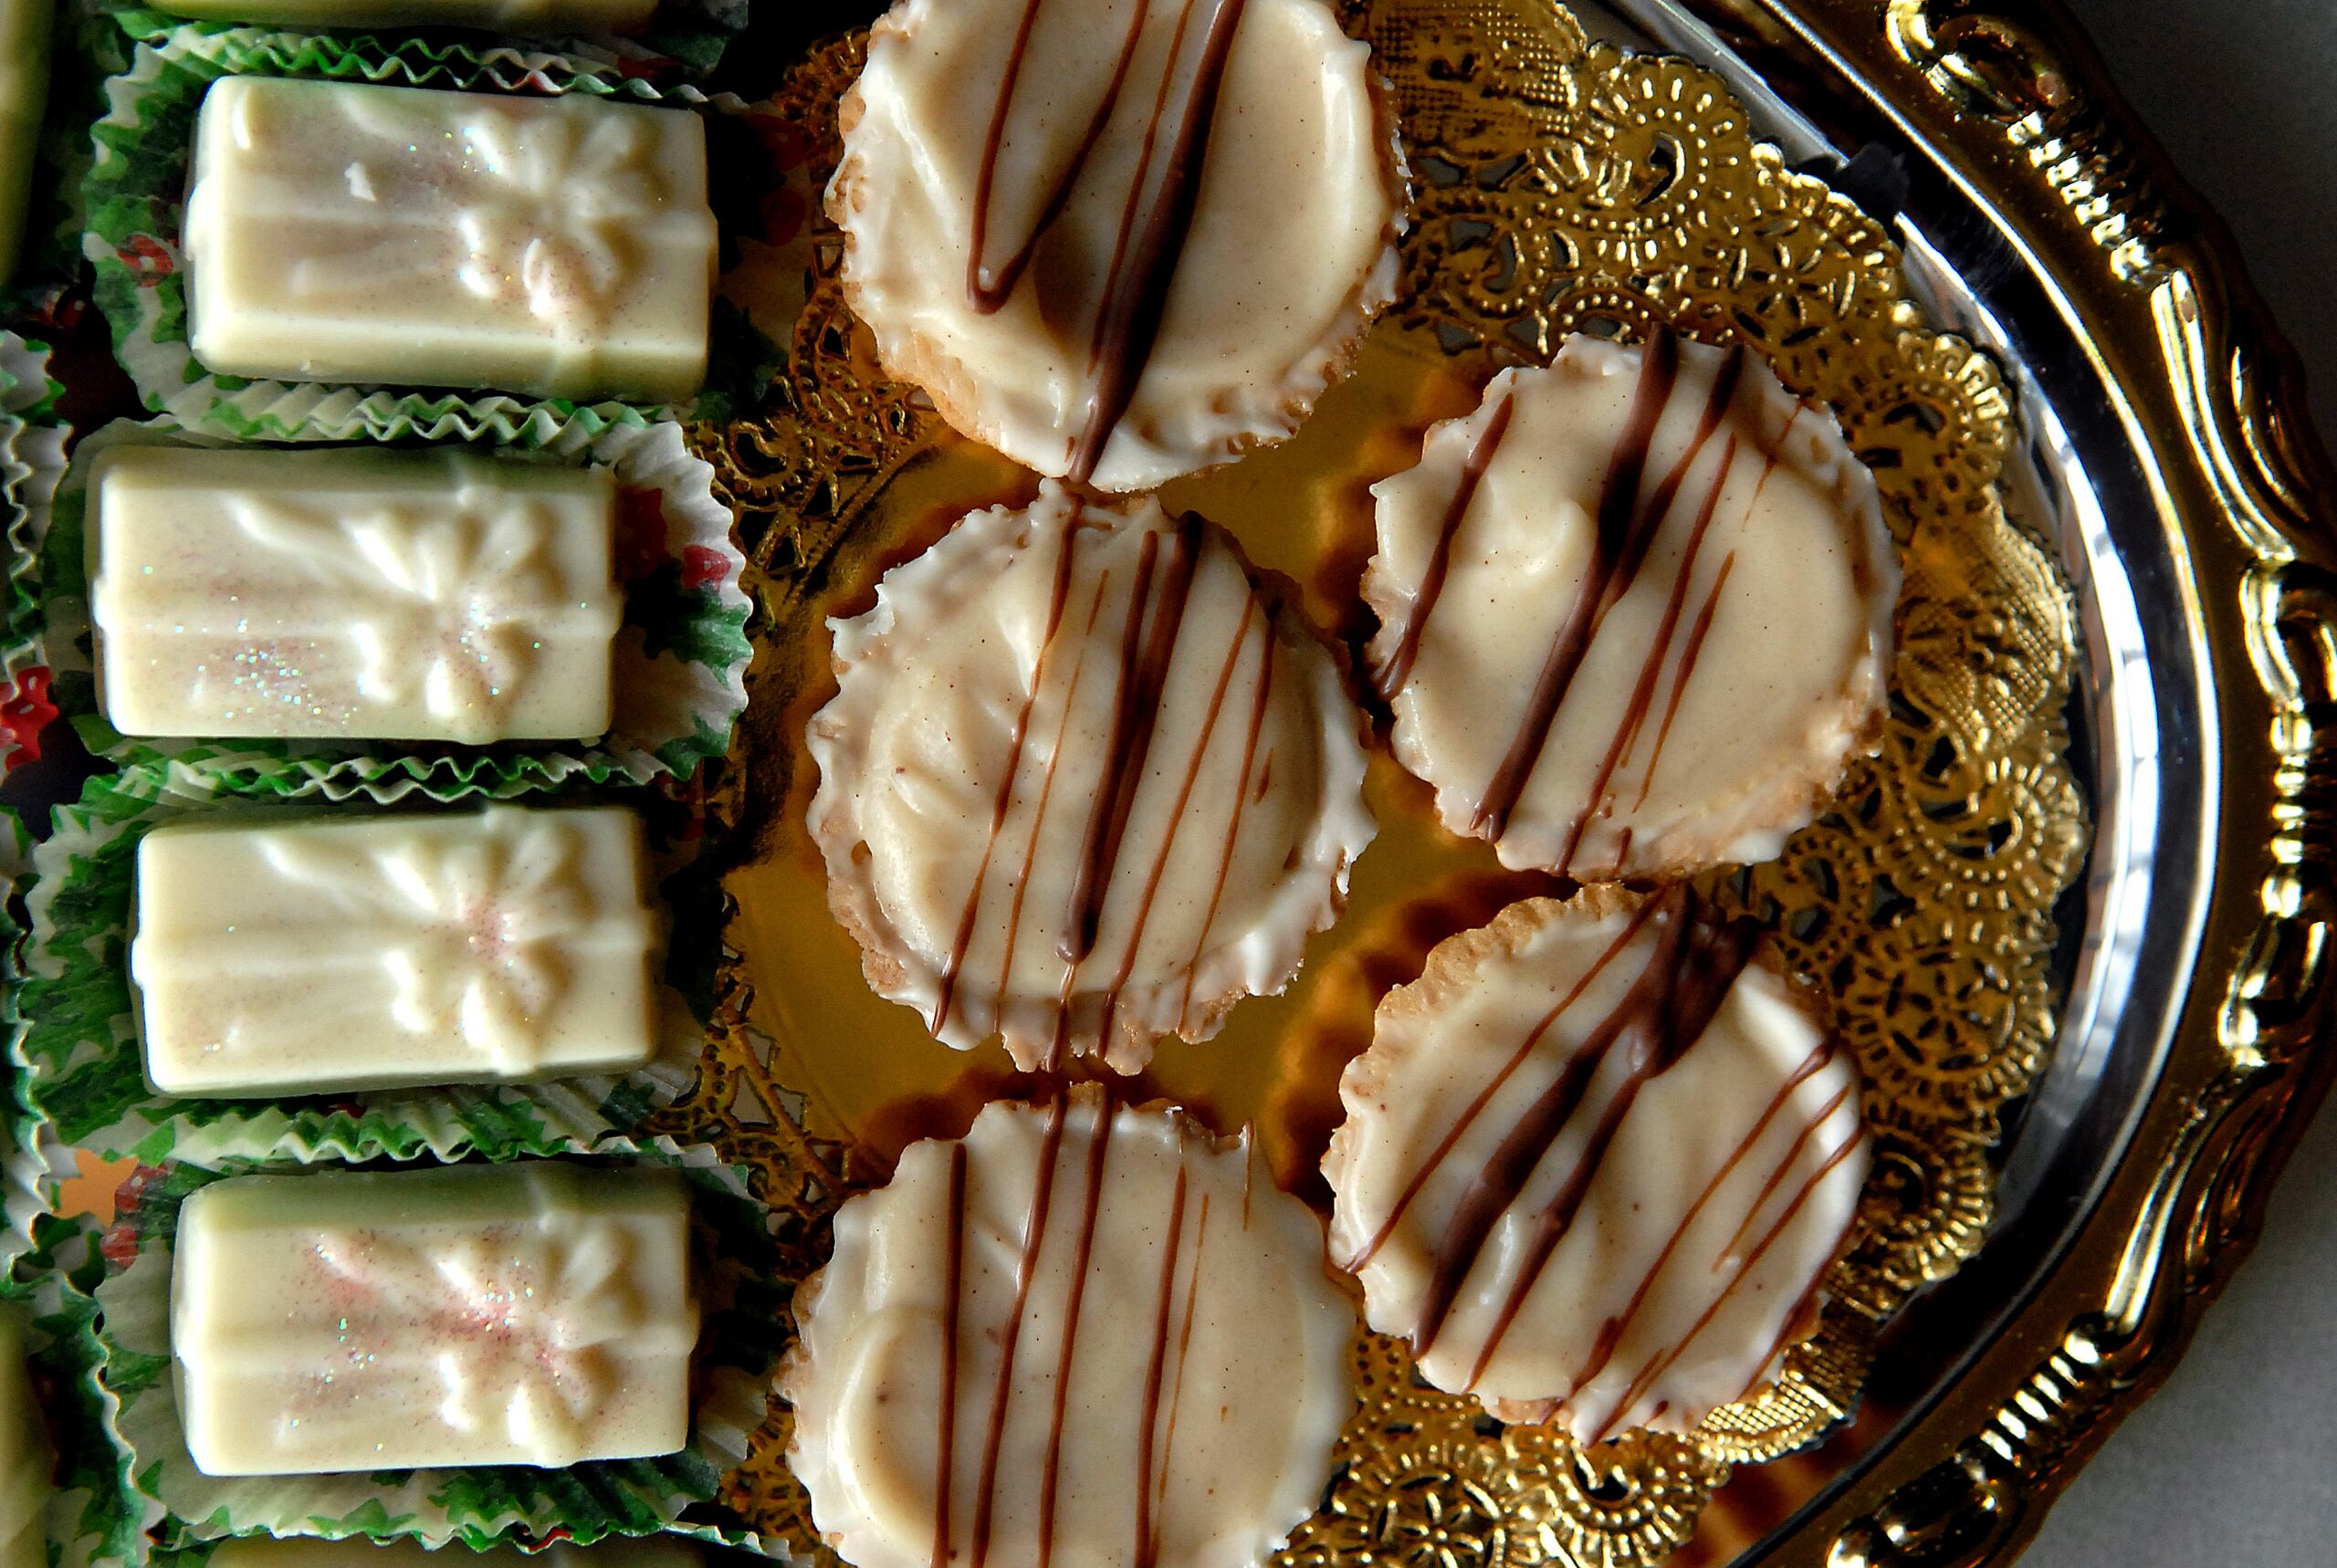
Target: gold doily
x,y
1561,185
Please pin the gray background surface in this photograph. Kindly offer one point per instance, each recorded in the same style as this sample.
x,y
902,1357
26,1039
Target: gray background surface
x,y
2234,1462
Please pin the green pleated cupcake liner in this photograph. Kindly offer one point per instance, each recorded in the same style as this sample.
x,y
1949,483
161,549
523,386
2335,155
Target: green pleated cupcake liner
x,y
740,1345
32,1161
28,391
681,36
74,1037
681,653
96,1517
136,196
32,461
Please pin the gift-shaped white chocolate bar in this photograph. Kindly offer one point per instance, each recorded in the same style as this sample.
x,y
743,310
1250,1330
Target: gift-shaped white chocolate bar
x,y
534,1313
24,90
290,957
352,594
342,232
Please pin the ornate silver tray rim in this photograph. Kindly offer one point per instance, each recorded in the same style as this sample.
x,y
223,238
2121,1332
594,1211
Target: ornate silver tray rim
x,y
2167,457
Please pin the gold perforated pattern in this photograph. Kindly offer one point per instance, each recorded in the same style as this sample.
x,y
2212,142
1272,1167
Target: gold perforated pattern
x,y
1560,185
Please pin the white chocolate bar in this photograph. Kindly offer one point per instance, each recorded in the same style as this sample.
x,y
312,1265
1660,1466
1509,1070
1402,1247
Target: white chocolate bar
x,y
365,595
352,953
534,1313
407,1551
342,232
23,93
24,1460
520,18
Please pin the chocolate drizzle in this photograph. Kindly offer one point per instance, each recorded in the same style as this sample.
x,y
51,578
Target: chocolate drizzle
x,y
1156,216
1149,1539
1610,541
1688,656
1098,1150
1065,559
1661,1361
1148,638
1468,1117
1162,1388
1148,1544
1562,1132
1136,291
1147,646
945,1463
1398,669
1034,1233
1611,1333
1635,500
1176,817
987,288
1047,794
1243,796
1635,710
1697,959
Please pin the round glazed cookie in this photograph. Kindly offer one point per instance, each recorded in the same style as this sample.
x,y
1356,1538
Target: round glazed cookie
x,y
1118,240
1596,1163
1635,611
1087,1334
1083,783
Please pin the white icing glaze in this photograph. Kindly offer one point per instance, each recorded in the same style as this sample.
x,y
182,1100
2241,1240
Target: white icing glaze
x,y
1768,577
969,759
535,1314
1174,1378
1297,196
347,232
1667,1244
371,595
335,954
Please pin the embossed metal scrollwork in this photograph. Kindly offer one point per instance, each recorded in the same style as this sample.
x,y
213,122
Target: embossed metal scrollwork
x,y
2231,423
1566,185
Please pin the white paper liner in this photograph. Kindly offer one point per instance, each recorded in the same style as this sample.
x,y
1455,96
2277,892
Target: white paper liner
x,y
96,1517
671,712
33,1162
76,1044
618,1497
150,331
667,46
32,463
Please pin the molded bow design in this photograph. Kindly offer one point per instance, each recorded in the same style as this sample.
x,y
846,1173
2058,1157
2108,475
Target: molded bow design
x,y
452,599
476,931
521,1316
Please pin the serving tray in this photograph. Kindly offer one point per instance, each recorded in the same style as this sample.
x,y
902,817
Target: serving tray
x,y
2072,915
